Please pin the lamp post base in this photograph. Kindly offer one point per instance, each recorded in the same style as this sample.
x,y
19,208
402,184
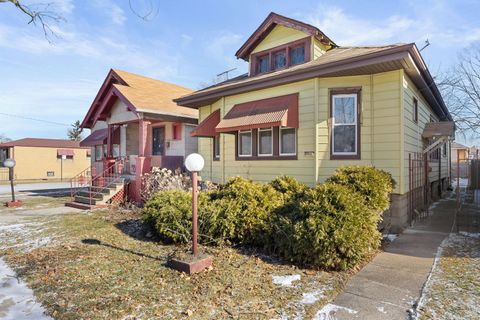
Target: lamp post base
x,y
191,264
14,204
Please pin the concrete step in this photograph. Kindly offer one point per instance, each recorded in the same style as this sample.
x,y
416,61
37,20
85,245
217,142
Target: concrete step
x,y
86,200
93,194
83,206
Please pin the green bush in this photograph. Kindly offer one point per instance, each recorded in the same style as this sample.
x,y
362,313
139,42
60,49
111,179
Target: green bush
x,y
241,211
332,226
170,213
373,184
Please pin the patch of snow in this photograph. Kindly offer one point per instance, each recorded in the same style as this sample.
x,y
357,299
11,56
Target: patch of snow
x,y
329,310
16,299
381,309
390,237
470,234
312,297
285,281
463,183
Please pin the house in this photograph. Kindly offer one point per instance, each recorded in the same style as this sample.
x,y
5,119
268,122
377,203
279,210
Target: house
x,y
308,106
134,126
44,159
459,160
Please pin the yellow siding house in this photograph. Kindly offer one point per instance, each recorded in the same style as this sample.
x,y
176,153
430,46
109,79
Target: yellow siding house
x,y
308,106
44,159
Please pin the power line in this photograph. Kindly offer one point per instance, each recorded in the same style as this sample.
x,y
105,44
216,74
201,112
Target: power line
x,y
34,119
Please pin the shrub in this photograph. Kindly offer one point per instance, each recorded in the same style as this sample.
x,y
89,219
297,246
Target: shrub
x,y
169,212
373,184
289,187
332,228
161,179
240,211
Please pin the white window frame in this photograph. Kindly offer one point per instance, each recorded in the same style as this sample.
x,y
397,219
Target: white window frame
x,y
240,141
355,104
215,144
258,142
280,153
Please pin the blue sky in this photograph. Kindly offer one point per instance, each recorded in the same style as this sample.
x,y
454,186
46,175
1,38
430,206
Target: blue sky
x,y
188,43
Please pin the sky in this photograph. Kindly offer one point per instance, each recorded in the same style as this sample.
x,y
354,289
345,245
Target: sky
x,y
188,43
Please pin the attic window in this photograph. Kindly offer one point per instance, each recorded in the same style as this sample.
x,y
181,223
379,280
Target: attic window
x,y
297,55
280,57
263,64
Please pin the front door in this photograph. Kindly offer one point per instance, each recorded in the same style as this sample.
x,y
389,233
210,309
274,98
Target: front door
x,y
158,141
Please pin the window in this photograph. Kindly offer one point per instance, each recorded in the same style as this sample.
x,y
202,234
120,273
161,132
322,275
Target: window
x,y
98,153
158,141
280,57
263,64
415,110
297,55
116,150
265,142
245,143
288,141
216,147
445,149
345,133
279,60
177,131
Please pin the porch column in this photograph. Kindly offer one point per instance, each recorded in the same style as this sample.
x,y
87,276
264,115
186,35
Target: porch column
x,y
143,161
109,141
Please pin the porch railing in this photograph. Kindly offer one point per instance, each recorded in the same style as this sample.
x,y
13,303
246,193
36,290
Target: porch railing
x,y
81,181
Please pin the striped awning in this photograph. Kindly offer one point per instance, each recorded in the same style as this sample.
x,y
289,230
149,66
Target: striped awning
x,y
272,112
65,152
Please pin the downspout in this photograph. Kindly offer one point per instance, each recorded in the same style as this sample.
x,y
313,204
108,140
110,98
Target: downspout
x,y
315,125
222,113
372,120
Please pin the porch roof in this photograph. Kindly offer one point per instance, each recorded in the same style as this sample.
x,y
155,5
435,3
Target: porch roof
x,y
439,129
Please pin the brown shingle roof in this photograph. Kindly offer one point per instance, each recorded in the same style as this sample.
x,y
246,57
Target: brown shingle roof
x,y
333,55
439,129
151,95
46,143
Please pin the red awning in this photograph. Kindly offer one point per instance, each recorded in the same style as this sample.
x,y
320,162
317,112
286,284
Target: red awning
x,y
272,112
100,136
97,137
207,127
65,152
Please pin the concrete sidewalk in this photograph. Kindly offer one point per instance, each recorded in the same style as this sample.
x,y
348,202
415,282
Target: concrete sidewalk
x,y
390,286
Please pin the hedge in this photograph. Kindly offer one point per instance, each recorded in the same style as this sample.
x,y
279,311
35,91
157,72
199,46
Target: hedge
x,y
332,226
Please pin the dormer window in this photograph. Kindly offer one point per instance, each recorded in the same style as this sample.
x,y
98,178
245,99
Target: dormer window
x,y
297,55
279,60
263,64
281,57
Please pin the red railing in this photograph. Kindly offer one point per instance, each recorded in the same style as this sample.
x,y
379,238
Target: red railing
x,y
93,183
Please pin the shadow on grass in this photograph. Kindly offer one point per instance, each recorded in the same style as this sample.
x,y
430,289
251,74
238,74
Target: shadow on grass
x,y
91,241
137,229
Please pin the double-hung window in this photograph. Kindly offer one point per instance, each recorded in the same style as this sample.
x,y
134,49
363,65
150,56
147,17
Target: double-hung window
x,y
265,142
288,141
98,152
245,143
345,133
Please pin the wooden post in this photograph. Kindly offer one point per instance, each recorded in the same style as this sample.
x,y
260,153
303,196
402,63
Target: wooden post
x,y
109,141
194,211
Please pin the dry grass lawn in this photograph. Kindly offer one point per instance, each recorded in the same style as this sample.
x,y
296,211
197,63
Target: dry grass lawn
x,y
103,266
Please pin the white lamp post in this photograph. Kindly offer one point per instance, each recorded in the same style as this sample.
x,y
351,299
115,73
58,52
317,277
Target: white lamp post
x,y
194,163
10,164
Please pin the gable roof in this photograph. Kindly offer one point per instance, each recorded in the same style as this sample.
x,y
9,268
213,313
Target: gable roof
x,y
272,20
38,142
339,61
140,94
456,145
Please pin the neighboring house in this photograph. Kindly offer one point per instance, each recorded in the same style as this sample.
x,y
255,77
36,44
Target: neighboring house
x,y
44,159
135,126
459,151
308,106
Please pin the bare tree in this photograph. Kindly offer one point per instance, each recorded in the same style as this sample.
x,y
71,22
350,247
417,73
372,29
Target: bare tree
x,y
460,87
41,14
4,138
